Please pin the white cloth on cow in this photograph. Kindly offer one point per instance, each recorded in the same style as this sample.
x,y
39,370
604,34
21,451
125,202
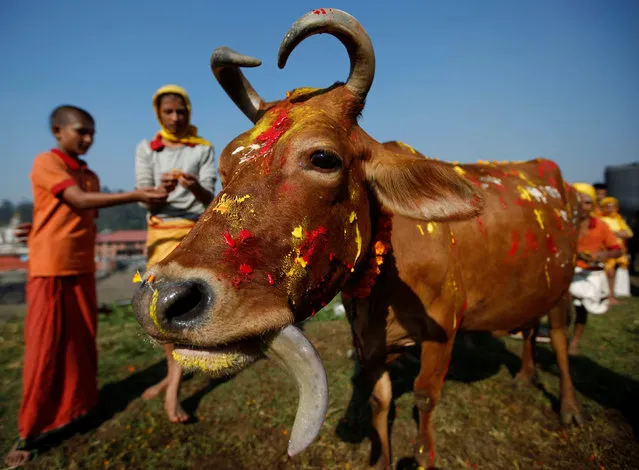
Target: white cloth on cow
x,y
590,289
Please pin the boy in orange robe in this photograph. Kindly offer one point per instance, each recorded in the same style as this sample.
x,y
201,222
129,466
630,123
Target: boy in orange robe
x,y
60,357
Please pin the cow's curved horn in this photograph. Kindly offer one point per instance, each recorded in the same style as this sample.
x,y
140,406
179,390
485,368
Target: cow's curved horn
x,y
225,64
294,352
345,28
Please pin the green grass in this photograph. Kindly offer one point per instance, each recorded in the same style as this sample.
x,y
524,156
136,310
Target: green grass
x,y
243,423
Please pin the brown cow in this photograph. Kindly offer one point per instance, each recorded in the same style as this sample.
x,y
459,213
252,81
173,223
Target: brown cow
x,y
313,205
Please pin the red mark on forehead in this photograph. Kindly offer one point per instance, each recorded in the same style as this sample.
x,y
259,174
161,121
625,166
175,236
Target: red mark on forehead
x,y
272,134
502,203
271,281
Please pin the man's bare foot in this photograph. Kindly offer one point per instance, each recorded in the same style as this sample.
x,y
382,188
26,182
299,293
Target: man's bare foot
x,y
17,457
573,350
174,410
156,389
613,301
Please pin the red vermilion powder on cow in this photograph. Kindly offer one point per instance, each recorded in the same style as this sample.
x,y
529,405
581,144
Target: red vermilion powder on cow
x,y
314,242
515,243
228,239
245,269
271,136
481,225
545,166
271,281
473,179
531,241
559,222
551,244
502,202
244,235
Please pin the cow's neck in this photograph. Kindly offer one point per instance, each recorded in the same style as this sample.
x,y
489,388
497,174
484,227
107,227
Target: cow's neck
x,y
361,284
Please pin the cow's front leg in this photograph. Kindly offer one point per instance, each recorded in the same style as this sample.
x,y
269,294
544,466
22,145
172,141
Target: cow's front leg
x,y
428,384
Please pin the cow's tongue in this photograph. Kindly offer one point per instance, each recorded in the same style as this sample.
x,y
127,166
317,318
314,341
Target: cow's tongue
x,y
295,353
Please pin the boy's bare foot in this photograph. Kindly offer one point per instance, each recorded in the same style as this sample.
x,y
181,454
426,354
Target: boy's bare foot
x,y
613,301
17,457
156,389
174,410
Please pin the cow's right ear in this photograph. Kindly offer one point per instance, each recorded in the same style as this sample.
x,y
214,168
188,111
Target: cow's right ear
x,y
407,183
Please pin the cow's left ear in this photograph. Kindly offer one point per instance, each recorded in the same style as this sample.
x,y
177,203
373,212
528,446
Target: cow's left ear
x,y
409,184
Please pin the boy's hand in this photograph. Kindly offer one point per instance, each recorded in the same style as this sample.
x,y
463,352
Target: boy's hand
x,y
168,181
151,195
189,181
22,232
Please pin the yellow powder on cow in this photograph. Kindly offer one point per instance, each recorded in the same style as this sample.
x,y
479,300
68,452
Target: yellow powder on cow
x,y
227,203
215,363
153,310
358,237
539,216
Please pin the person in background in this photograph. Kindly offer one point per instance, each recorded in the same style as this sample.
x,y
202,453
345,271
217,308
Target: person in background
x,y
180,163
609,208
601,191
596,244
60,355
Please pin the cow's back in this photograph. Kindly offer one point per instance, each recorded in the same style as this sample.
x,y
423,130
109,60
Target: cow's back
x,y
508,266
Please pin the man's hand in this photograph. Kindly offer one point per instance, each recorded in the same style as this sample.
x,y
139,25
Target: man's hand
x,y
189,181
22,232
168,181
151,195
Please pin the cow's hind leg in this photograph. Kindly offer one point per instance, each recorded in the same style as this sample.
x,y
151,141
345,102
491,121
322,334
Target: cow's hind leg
x,y
558,319
428,384
528,372
380,400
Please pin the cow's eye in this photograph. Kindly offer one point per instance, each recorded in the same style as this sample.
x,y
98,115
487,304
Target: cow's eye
x,y
325,161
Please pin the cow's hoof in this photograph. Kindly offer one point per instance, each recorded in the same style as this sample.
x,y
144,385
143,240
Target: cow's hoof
x,y
523,379
423,457
380,466
570,415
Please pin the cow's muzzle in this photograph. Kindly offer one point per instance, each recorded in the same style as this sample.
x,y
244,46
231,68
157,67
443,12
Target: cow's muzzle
x,y
165,309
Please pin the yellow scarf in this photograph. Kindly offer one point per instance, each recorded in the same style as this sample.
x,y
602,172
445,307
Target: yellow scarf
x,y
190,137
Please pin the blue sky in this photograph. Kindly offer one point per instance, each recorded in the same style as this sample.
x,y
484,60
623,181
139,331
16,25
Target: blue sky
x,y
458,80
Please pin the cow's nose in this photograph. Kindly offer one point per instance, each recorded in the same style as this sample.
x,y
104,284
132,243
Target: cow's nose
x,y
172,306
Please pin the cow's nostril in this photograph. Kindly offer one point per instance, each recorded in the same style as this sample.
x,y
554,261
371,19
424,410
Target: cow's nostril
x,y
185,302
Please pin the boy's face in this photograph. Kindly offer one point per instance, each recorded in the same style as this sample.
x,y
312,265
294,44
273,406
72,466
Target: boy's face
x,y
76,136
173,114
601,193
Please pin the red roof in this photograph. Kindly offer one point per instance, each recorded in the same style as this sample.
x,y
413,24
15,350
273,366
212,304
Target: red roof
x,y
122,236
10,263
